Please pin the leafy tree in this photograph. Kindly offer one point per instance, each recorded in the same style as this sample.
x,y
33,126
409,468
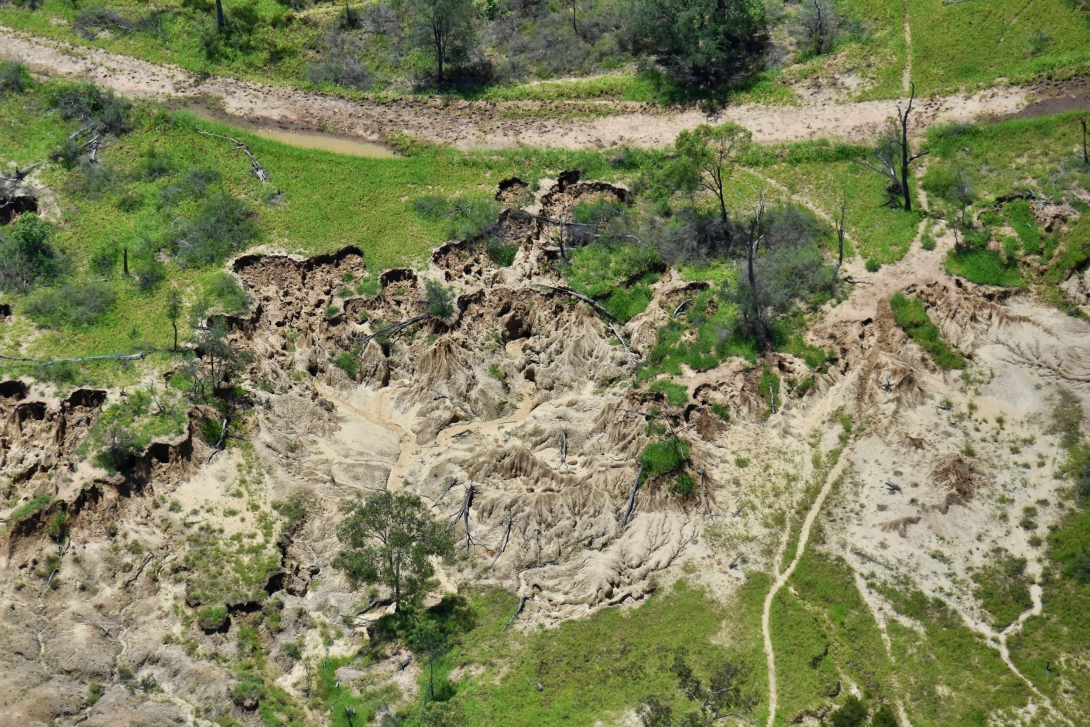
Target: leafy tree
x,y
427,638
706,156
26,257
389,538
440,299
707,42
725,695
443,27
853,713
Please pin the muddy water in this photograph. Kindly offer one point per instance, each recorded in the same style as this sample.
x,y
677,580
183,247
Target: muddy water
x,y
300,139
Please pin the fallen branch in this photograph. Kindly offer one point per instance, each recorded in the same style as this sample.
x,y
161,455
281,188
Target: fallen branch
x,y
453,482
632,357
49,582
255,165
392,330
463,514
681,305
704,491
139,570
590,301
96,623
503,541
631,498
453,401
522,603
215,449
81,359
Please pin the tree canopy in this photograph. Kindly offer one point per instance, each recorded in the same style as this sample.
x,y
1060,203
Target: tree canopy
x,y
389,538
706,42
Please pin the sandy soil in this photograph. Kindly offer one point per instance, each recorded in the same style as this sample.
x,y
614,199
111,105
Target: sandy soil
x,y
481,124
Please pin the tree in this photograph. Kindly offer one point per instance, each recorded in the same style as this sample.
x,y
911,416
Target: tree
x,y
706,156
818,26
174,311
725,695
221,23
428,638
443,27
884,717
853,713
1085,154
706,42
842,214
389,538
440,299
26,257
894,155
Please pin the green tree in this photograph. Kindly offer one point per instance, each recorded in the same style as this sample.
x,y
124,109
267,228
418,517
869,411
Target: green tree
x,y
725,695
440,299
443,27
390,538
706,156
884,717
852,713
707,42
427,638
26,257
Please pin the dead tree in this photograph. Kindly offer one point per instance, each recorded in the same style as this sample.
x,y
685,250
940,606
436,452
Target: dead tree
x,y
503,541
463,514
255,166
1085,155
586,299
843,212
522,604
895,156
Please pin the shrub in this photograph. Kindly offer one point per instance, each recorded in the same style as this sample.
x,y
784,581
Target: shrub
x,y
219,226
89,22
873,266
669,455
74,305
154,164
212,619
911,315
927,242
149,274
101,110
96,180
348,362
853,713
232,297
14,78
26,257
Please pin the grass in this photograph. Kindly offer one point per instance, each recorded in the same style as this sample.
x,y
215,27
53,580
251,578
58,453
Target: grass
x,y
1003,590
29,507
619,276
676,394
910,314
664,457
985,267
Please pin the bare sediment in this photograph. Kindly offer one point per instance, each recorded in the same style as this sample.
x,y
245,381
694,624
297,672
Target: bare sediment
x,y
486,124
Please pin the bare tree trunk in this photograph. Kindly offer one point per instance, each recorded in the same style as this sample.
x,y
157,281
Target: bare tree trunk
x,y
840,232
175,325
1085,156
904,152
220,22
125,261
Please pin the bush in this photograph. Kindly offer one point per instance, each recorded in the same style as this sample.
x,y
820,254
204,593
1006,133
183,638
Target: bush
x,y
873,266
910,315
96,180
927,242
101,110
341,63
219,226
212,619
14,78
76,305
347,361
149,274
853,713
89,22
669,455
440,299
154,164
676,394
26,257
232,297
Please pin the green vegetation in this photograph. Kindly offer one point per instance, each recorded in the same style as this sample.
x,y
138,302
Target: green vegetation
x,y
1003,589
985,267
676,394
230,569
910,314
618,275
29,507
126,428
667,456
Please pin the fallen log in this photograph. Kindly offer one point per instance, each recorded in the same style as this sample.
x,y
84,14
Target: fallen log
x,y
453,401
631,498
586,299
392,330
503,541
139,570
522,603
632,356
96,623
255,166
51,361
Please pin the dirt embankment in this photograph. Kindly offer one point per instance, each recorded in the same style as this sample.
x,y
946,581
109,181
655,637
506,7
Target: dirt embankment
x,y
485,124
516,419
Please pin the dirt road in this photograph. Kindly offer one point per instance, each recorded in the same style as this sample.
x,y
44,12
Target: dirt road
x,y
819,114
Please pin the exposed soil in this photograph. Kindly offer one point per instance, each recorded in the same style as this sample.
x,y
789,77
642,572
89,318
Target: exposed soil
x,y
482,124
515,420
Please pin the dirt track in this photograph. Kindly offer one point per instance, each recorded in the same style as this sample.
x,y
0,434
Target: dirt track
x,y
483,124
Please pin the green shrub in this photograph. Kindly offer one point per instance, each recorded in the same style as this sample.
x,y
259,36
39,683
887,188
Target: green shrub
x,y
683,485
56,525
75,304
154,164
853,713
927,242
440,299
500,254
720,411
347,361
26,255
1020,216
676,394
873,266
14,78
30,507
101,110
910,314
219,226
231,295
669,455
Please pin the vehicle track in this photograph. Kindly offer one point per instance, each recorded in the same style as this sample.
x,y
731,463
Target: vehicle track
x,y
486,124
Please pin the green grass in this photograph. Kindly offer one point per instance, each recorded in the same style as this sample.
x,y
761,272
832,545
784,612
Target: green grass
x,y
676,394
910,314
664,457
985,267
29,508
619,276
1003,590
